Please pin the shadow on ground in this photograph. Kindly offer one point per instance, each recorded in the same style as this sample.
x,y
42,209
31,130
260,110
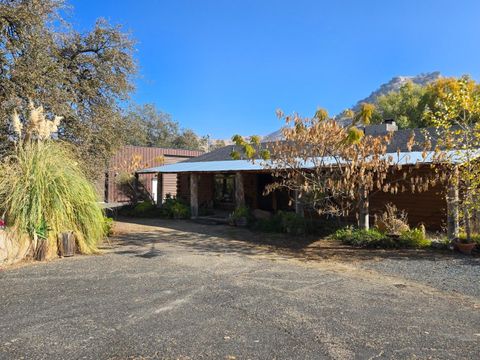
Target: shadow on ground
x,y
135,235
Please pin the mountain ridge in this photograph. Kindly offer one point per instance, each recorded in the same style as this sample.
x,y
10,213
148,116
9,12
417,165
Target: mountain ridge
x,y
393,84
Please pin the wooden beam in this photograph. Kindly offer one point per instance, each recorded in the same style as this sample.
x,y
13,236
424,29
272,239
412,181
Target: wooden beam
x,y
239,190
194,195
363,210
159,190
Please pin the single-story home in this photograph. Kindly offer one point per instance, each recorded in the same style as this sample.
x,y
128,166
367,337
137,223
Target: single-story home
x,y
215,181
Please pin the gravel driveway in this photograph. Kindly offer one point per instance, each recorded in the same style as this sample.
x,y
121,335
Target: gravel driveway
x,y
178,290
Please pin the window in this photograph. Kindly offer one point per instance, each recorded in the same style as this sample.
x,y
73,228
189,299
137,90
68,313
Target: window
x,y
224,188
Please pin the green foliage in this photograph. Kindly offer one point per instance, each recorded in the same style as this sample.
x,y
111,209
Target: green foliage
x,y
405,106
107,226
374,238
43,191
174,208
367,114
414,238
143,208
240,212
354,135
147,126
291,223
249,148
362,237
81,76
321,114
235,155
265,154
238,140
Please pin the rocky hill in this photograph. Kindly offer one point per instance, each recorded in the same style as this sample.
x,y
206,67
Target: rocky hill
x,y
393,85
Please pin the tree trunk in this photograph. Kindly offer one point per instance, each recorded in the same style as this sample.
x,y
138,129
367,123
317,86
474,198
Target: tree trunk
x,y
466,219
363,211
452,210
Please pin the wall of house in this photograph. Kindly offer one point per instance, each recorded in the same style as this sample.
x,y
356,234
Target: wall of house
x,y
206,189
132,158
427,207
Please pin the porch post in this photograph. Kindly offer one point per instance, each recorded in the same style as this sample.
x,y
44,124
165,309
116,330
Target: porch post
x,y
363,213
159,189
239,190
194,195
452,208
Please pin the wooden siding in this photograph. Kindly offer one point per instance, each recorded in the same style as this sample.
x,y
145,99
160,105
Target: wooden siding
x,y
428,208
145,157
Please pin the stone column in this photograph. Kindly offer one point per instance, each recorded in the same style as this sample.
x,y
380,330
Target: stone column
x,y
239,190
159,190
194,195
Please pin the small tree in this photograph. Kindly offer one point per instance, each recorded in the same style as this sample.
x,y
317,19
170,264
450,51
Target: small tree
x,y
456,113
332,169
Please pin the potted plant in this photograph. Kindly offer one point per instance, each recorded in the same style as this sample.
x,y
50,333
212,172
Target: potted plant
x,y
464,245
240,216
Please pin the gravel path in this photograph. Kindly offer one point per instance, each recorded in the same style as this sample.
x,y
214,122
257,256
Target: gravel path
x,y
177,290
457,274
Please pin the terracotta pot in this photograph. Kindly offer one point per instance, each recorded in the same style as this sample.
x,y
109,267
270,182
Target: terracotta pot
x,y
465,248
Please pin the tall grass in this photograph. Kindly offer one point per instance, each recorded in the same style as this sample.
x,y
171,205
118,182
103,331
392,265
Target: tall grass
x,y
43,189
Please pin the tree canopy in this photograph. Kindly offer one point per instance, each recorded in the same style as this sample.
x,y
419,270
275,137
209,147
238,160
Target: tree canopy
x,y
82,77
148,126
410,105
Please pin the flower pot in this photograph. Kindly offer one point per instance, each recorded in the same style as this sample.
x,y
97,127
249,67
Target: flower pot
x,y
465,248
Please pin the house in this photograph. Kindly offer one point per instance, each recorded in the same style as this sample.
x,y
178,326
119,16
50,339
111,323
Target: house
x,y
130,158
215,181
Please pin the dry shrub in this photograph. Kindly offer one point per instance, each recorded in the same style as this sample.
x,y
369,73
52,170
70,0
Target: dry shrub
x,y
392,221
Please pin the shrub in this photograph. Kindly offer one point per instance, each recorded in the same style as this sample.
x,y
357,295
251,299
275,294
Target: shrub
x,y
43,192
392,221
363,238
107,226
241,216
373,238
414,238
174,208
143,208
292,223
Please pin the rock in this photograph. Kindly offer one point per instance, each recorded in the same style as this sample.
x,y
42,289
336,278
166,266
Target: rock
x,y
261,214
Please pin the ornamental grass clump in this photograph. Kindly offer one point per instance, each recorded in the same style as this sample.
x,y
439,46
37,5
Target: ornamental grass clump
x,y
44,192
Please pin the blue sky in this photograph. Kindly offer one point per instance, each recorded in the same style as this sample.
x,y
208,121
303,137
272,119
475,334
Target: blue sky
x,y
223,67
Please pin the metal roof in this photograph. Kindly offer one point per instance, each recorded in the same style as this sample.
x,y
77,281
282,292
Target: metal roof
x,y
403,158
